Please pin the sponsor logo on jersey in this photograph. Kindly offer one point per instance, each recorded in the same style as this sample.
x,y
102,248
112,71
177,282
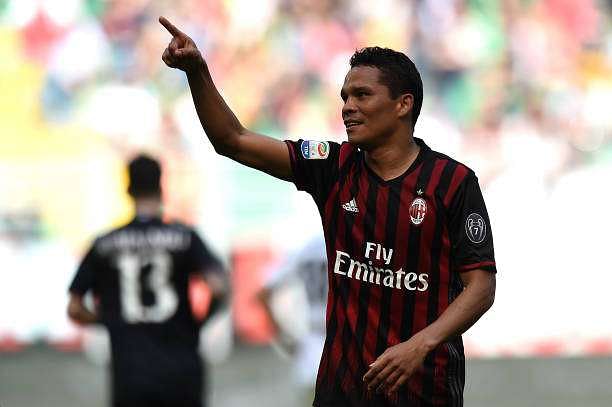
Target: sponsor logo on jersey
x,y
315,150
366,271
351,206
417,211
475,228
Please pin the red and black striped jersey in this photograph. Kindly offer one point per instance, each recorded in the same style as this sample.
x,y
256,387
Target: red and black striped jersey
x,y
395,250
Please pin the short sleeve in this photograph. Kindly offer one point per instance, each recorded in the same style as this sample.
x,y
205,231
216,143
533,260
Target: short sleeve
x,y
470,228
83,280
200,258
314,165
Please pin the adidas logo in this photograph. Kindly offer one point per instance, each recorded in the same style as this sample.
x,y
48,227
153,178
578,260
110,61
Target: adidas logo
x,y
351,206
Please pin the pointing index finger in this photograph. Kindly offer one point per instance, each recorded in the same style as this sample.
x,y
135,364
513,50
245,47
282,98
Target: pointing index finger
x,y
170,27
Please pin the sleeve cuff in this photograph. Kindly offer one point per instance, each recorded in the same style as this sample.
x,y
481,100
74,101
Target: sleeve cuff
x,y
293,159
483,265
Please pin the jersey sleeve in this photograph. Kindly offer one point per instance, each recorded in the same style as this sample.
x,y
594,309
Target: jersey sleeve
x,y
470,228
83,280
314,165
201,258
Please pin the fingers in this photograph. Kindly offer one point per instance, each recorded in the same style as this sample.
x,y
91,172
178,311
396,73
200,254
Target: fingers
x,y
396,382
172,54
375,367
170,27
379,370
379,383
167,58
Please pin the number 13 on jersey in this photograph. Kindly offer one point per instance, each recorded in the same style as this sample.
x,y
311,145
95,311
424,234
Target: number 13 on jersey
x,y
131,267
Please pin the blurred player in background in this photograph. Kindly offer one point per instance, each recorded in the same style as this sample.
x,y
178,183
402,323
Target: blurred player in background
x,y
139,275
408,237
308,266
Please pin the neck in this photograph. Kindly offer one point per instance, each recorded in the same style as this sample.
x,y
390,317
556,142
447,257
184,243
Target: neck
x,y
392,160
149,206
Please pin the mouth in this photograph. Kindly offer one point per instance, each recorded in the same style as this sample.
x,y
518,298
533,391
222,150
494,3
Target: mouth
x,y
350,124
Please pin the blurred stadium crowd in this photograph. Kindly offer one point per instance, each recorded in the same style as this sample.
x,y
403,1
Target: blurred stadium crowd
x,y
520,90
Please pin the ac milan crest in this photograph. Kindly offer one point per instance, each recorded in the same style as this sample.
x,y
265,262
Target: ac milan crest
x,y
418,210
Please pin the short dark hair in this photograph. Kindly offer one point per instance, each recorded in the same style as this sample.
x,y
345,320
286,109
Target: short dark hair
x,y
144,176
397,72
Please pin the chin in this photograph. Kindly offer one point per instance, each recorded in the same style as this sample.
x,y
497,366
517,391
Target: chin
x,y
356,139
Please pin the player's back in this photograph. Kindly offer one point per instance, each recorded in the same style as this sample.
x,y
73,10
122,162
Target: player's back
x,y
140,278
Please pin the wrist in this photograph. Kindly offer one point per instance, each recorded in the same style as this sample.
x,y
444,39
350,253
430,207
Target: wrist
x,y
198,68
429,341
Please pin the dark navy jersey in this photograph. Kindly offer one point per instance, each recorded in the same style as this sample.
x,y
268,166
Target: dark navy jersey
x,y
139,275
395,250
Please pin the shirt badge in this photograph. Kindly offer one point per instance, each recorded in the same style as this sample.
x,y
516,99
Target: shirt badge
x,y
315,150
475,228
351,206
417,211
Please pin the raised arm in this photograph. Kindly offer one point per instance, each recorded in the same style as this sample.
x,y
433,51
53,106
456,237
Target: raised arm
x,y
222,127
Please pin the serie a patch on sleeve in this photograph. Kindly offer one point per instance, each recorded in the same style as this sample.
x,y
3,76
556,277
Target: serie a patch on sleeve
x,y
315,150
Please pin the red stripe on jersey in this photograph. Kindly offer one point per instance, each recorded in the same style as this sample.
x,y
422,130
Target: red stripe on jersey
x,y
442,356
345,152
401,241
348,381
331,256
474,266
458,177
336,346
373,316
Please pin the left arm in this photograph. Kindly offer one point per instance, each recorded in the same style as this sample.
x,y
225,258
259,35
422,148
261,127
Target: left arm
x,y
391,369
219,287
78,312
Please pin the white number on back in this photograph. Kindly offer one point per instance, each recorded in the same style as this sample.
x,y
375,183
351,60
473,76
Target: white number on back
x,y
130,267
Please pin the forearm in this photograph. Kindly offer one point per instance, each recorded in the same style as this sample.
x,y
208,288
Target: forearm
x,y
218,121
80,314
461,314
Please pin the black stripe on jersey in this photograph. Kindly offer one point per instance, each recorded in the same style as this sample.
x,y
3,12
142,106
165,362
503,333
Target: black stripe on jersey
x,y
432,299
369,224
332,323
413,248
456,364
456,372
343,290
443,185
393,205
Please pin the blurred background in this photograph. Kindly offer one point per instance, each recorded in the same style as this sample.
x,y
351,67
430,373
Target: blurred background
x,y
519,90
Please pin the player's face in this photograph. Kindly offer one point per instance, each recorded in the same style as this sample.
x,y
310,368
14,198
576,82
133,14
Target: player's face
x,y
369,113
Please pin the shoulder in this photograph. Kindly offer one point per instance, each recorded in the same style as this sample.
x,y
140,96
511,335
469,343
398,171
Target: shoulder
x,y
110,235
436,155
452,177
178,226
453,168
347,152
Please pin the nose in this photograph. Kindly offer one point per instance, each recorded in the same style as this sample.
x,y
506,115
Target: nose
x,y
348,107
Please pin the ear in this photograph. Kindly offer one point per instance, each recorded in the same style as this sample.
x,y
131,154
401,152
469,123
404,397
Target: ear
x,y
404,105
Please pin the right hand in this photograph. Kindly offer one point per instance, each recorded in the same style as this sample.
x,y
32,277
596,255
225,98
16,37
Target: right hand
x,y
182,52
